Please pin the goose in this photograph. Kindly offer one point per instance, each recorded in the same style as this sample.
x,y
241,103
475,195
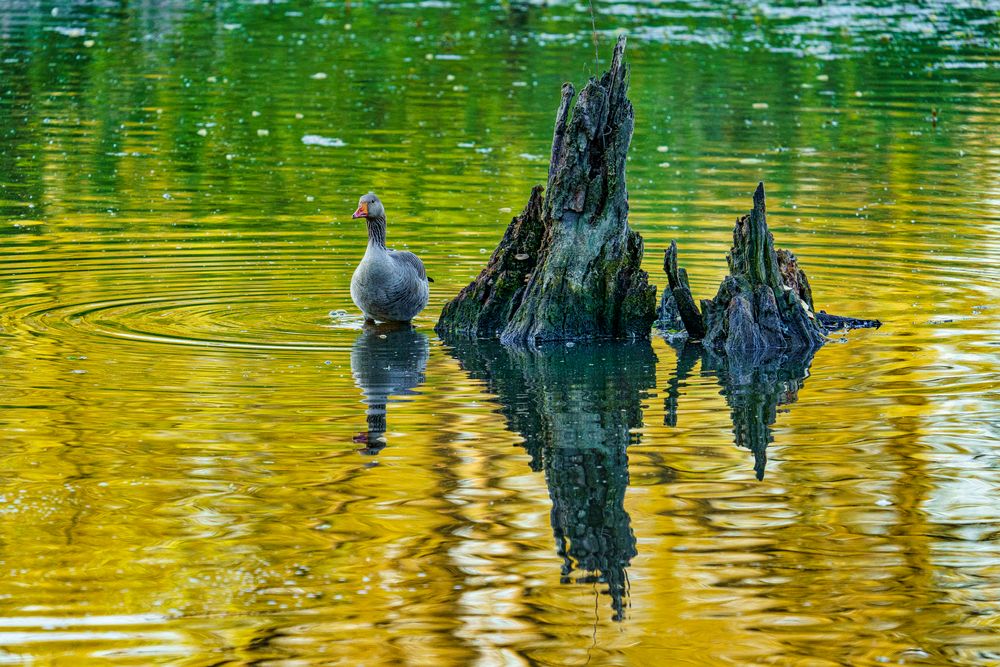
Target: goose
x,y
388,285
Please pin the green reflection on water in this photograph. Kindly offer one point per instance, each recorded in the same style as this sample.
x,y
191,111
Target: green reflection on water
x,y
182,414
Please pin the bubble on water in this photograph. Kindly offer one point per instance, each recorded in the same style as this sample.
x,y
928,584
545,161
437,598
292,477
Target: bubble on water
x,y
70,32
320,140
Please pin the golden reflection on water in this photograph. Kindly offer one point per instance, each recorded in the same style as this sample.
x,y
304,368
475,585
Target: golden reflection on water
x,y
203,464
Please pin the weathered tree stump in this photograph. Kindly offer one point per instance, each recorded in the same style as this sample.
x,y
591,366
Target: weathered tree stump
x,y
764,304
668,317
568,267
754,309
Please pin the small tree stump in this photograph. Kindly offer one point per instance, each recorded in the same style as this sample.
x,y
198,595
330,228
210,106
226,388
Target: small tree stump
x,y
764,304
754,309
568,268
677,283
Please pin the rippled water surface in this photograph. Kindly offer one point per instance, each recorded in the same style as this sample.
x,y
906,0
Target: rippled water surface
x,y
206,460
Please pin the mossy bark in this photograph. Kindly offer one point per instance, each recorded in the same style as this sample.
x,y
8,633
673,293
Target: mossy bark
x,y
581,276
754,310
488,303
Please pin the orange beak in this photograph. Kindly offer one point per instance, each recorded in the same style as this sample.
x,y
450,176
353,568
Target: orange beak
x,y
362,211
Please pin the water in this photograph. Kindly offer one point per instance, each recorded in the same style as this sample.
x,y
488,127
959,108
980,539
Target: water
x,y
203,465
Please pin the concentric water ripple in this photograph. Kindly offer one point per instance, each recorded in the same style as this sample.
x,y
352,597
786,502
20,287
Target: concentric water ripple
x,y
194,301
256,320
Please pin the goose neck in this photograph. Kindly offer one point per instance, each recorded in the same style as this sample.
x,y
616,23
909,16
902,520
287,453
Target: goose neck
x,y
376,232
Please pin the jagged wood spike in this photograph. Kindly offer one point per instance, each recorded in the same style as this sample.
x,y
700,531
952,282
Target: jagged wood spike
x,y
587,281
764,304
677,283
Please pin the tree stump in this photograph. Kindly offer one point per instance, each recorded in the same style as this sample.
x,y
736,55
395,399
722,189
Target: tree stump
x,y
568,267
764,304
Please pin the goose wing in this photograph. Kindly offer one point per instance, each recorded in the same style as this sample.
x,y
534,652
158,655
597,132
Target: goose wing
x,y
409,262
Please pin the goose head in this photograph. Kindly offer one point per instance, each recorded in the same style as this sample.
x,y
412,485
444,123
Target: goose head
x,y
369,206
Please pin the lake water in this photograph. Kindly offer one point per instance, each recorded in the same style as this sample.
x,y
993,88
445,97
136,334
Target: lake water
x,y
202,466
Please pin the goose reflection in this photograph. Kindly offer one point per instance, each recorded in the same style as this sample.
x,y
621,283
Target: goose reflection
x,y
387,360
577,409
753,387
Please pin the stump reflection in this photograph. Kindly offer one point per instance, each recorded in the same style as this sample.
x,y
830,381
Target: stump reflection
x,y
753,385
577,409
387,360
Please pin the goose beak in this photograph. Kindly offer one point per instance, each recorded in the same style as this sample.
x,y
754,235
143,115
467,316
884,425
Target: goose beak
x,y
362,211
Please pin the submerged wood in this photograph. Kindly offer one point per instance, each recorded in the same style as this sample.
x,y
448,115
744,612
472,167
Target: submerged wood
x,y
765,303
568,267
837,322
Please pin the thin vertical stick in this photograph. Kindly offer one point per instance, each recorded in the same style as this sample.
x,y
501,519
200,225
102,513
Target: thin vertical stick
x,y
593,26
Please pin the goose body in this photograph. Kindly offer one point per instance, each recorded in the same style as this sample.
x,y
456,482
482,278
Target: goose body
x,y
388,285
